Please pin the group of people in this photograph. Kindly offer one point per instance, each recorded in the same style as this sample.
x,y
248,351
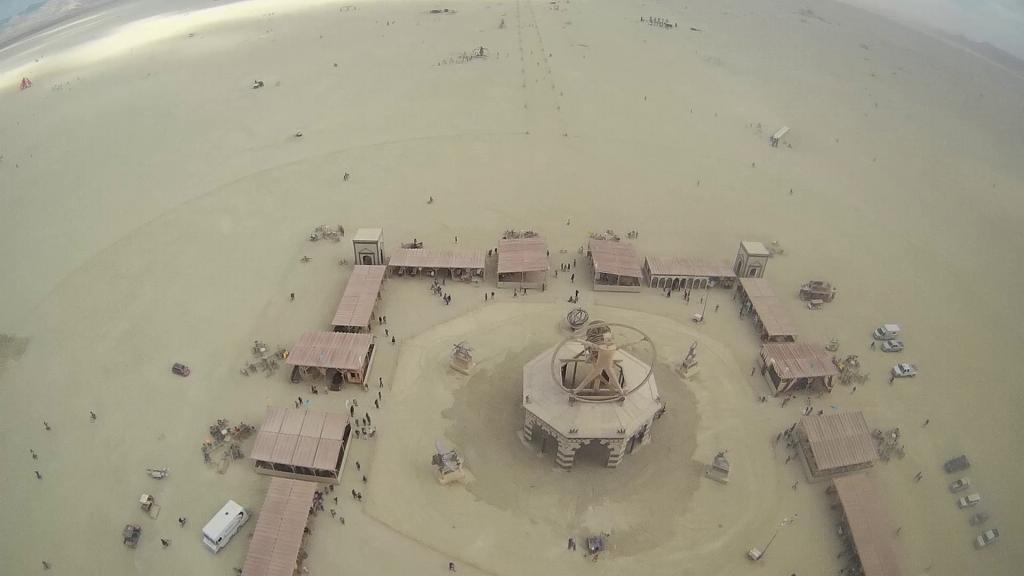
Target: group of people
x,y
437,289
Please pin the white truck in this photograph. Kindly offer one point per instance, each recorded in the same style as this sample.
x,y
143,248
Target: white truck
x,y
224,524
886,332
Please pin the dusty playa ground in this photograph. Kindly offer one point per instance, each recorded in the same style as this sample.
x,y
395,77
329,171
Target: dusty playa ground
x,y
154,208
517,509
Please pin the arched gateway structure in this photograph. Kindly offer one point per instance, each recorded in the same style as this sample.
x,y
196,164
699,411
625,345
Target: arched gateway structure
x,y
597,386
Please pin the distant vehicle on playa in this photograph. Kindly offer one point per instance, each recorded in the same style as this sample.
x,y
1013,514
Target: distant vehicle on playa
x,y
180,369
903,370
959,484
957,464
979,518
987,537
886,332
969,500
224,524
892,346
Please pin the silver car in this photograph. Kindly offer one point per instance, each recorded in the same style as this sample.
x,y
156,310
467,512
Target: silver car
x,y
904,370
892,346
987,537
969,500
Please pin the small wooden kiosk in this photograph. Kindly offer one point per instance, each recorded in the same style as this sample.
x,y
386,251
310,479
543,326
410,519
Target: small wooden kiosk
x,y
368,246
751,260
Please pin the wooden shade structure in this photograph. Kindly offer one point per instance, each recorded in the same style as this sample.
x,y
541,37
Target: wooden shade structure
x,y
795,365
522,262
865,516
355,311
616,266
834,444
457,263
769,316
277,538
301,444
345,354
687,273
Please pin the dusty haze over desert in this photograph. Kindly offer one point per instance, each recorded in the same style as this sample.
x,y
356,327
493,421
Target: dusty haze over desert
x,y
155,208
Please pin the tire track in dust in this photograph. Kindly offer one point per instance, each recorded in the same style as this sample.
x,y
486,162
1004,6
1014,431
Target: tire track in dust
x,y
541,96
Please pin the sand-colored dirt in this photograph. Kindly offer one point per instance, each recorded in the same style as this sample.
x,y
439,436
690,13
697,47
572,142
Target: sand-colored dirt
x,y
154,208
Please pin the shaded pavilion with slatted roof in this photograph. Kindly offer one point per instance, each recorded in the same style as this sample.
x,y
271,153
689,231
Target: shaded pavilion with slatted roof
x,y
301,444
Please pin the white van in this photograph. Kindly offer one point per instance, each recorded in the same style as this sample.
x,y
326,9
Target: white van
x,y
219,530
887,332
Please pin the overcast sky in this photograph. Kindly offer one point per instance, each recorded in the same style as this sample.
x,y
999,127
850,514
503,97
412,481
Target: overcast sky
x,y
998,22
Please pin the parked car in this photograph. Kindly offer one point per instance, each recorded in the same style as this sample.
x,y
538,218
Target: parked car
x,y
957,464
969,500
886,332
892,346
180,369
903,370
987,537
959,484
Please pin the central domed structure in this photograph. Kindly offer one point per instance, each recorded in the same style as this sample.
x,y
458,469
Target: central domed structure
x,y
596,386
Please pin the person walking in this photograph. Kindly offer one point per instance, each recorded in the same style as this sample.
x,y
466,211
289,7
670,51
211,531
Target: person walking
x,y
451,566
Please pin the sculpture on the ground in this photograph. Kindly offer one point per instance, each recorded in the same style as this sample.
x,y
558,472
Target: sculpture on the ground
x,y
462,358
688,367
448,463
577,317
